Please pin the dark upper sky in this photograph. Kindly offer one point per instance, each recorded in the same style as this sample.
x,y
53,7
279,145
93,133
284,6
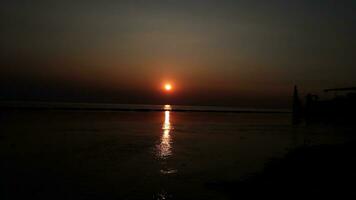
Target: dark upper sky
x,y
245,53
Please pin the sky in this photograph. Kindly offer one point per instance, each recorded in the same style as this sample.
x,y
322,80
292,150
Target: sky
x,y
214,52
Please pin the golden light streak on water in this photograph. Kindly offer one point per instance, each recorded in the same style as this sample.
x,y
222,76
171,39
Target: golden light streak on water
x,y
165,148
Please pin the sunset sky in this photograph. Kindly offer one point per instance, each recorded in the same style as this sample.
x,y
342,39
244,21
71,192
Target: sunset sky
x,y
213,52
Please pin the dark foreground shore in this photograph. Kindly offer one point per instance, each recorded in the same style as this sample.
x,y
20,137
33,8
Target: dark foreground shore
x,y
310,171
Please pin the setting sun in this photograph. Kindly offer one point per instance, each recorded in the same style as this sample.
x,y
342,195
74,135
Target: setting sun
x,y
168,87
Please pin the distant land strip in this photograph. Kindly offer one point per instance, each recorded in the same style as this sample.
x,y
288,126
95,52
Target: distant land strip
x,y
61,108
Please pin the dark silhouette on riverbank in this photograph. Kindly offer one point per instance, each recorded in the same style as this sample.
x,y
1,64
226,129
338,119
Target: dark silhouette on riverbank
x,y
341,109
317,171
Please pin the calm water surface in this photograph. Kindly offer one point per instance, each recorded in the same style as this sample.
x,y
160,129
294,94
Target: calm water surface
x,y
141,155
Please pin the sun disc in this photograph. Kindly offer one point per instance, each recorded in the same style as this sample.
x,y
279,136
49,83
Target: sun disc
x,y
168,87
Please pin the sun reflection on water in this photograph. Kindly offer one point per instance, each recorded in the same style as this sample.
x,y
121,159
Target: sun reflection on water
x,y
167,107
164,148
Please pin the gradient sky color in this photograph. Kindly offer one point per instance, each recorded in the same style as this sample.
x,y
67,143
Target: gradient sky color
x,y
215,52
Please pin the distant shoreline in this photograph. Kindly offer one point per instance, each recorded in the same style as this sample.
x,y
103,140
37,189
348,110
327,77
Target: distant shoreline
x,y
43,106
133,110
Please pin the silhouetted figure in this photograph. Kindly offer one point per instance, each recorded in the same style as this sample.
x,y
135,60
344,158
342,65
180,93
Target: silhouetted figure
x,y
297,109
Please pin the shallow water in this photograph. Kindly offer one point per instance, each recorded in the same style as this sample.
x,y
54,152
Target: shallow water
x,y
142,155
